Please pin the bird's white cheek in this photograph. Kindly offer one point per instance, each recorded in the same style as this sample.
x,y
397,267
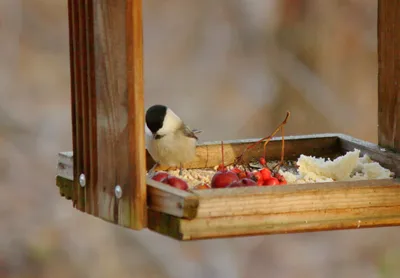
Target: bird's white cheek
x,y
147,131
171,123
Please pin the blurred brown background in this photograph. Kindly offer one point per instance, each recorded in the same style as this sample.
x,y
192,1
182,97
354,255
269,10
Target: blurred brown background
x,y
229,67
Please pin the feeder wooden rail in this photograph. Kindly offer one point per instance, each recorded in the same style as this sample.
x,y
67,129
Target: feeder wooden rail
x,y
105,175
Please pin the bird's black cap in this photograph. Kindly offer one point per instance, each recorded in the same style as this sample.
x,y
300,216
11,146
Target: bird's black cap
x,y
155,117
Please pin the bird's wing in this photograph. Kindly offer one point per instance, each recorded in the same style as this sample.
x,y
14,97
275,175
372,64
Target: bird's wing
x,y
189,132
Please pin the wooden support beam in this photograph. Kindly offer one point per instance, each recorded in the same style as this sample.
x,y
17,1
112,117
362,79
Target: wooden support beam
x,y
136,141
389,73
108,109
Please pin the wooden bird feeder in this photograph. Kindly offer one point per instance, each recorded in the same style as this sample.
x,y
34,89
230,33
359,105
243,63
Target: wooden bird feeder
x,y
105,175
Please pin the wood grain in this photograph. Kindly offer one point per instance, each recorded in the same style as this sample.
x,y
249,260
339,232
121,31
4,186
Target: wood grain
x,y
112,111
83,91
137,150
310,221
389,74
80,17
92,189
84,64
170,200
298,198
208,154
75,30
72,51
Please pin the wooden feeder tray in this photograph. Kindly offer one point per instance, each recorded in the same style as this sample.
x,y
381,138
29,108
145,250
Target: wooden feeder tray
x,y
105,174
214,213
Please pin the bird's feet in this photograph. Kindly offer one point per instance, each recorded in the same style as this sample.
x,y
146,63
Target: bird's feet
x,y
180,169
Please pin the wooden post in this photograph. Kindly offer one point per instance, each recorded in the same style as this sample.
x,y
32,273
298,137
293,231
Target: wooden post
x,y
389,74
108,109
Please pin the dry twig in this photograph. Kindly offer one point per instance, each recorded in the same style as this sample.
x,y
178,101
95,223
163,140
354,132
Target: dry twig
x,y
267,138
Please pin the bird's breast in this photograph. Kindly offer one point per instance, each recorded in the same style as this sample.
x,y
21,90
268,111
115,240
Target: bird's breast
x,y
173,149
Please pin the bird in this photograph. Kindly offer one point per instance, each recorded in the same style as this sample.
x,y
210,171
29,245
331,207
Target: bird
x,y
169,140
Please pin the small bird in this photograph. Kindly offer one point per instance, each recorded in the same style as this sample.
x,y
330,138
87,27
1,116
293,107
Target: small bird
x,y
169,141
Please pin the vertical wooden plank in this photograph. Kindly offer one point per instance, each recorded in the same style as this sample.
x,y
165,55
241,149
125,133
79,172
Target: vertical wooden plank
x,y
389,73
119,110
110,78
80,15
71,31
76,98
83,92
92,168
137,150
88,104
108,109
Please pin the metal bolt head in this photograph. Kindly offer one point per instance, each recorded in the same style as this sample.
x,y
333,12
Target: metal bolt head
x,y
118,191
82,180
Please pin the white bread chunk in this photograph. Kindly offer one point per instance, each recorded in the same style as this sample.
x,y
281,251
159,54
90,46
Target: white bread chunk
x,y
339,169
347,167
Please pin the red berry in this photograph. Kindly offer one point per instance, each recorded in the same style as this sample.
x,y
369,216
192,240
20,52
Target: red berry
x,y
262,161
266,173
159,176
223,179
271,181
177,183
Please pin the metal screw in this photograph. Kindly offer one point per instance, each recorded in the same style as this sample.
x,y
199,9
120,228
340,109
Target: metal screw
x,y
82,180
118,191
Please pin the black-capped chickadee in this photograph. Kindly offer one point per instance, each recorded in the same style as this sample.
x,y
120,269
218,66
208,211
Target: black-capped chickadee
x,y
169,141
